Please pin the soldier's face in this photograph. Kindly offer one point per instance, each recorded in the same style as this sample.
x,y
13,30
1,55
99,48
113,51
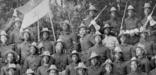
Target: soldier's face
x,y
133,66
45,35
65,26
32,50
26,36
3,39
147,11
138,52
98,39
108,68
106,31
81,71
45,59
113,14
17,24
130,13
92,13
10,57
53,72
94,61
74,58
123,38
82,31
59,47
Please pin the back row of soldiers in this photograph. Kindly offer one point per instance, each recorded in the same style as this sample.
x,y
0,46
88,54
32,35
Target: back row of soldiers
x,y
86,53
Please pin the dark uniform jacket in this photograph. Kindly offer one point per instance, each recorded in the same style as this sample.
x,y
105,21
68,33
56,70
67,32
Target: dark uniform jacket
x,y
42,70
119,68
71,69
48,46
61,61
153,72
95,70
131,23
33,62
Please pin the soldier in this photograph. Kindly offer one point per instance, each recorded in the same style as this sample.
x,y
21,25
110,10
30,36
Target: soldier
x,y
67,37
144,62
81,69
53,70
24,47
95,67
146,44
126,48
119,66
108,67
30,72
33,61
131,26
134,65
4,46
15,36
47,60
101,50
114,20
70,69
85,38
92,13
11,68
60,57
109,40
46,43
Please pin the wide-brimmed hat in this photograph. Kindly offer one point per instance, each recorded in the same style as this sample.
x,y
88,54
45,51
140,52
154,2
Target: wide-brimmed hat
x,y
130,7
74,52
113,9
17,19
46,53
118,49
147,5
107,26
82,25
3,33
30,71
93,55
81,65
52,67
45,30
34,44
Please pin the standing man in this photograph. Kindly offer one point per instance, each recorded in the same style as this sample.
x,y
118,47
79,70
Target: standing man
x,y
132,25
114,20
46,42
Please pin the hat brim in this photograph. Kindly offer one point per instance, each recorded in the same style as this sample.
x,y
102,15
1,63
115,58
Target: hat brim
x,y
52,69
94,57
74,54
81,68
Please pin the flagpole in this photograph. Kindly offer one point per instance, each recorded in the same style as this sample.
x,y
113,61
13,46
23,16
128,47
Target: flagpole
x,y
38,28
52,27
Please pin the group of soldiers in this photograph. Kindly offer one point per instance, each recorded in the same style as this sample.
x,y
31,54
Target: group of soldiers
x,y
111,49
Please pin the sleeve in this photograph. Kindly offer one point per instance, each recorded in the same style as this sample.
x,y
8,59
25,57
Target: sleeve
x,y
38,71
67,72
2,71
25,66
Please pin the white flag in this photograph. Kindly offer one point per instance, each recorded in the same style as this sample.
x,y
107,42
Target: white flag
x,y
35,14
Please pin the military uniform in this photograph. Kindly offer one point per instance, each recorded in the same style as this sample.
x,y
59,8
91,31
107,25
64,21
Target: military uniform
x,y
23,50
61,61
127,51
102,51
15,37
145,65
86,42
42,70
33,62
68,40
95,70
115,24
71,69
119,68
48,46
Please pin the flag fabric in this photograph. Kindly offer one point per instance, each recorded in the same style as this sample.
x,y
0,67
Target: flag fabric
x,y
28,6
35,14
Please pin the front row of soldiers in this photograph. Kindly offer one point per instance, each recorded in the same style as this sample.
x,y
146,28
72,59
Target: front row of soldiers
x,y
85,53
